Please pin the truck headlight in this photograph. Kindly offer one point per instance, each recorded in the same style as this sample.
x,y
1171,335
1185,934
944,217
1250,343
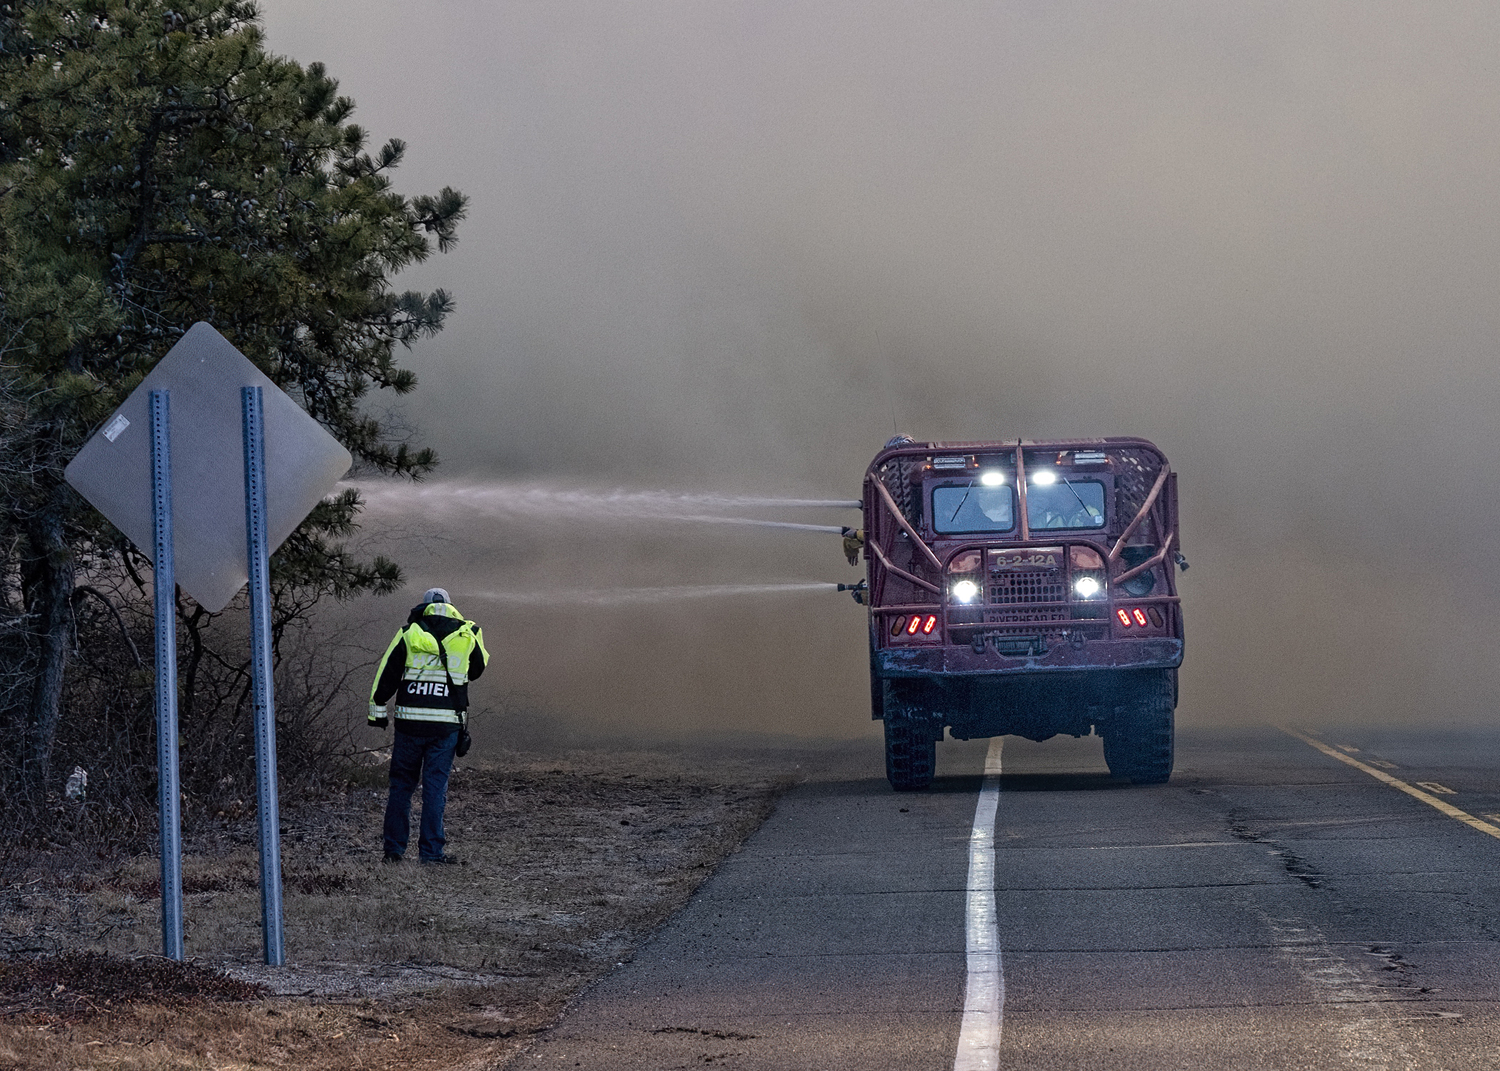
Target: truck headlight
x,y
1087,587
964,591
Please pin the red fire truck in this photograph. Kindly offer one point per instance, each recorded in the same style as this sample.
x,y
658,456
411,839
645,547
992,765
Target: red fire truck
x,y
1023,588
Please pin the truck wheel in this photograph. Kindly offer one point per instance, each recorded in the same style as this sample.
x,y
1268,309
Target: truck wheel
x,y
877,692
1118,752
910,750
1154,735
1140,745
910,755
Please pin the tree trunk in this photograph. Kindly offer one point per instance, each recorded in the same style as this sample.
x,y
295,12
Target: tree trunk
x,y
52,605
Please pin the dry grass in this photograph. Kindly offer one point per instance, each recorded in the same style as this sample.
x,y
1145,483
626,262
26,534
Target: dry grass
x,y
571,860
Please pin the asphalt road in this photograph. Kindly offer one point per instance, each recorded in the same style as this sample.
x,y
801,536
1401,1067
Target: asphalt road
x,y
1271,907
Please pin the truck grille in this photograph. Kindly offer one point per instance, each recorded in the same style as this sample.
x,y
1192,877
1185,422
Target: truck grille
x,y
1024,589
1025,595
1025,602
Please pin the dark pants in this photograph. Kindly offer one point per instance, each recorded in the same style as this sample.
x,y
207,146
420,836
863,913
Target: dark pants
x,y
414,758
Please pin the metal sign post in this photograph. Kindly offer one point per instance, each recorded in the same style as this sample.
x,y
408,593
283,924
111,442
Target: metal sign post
x,y
289,463
164,577
263,685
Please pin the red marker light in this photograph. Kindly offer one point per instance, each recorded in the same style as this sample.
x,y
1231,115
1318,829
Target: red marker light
x,y
897,625
930,625
1124,617
916,623
1140,616
1156,618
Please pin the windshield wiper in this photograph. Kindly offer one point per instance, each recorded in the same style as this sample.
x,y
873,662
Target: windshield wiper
x,y
961,501
1086,507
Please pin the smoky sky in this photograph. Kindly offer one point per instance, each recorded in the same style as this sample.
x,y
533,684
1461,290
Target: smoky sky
x,y
733,246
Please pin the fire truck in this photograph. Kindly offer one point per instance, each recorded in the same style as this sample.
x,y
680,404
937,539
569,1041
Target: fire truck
x,y
1023,588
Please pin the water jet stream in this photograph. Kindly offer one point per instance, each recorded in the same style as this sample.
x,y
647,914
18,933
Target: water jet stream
x,y
635,596
536,502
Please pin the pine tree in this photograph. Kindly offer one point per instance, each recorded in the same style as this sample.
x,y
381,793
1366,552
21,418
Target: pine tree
x,y
159,167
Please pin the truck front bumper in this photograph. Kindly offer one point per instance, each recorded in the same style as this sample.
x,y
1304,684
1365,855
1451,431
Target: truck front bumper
x,y
1154,653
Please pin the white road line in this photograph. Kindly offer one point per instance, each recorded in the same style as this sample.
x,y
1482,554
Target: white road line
x,y
984,992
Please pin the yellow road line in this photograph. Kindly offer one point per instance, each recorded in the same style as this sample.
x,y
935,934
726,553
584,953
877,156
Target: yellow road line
x,y
1395,782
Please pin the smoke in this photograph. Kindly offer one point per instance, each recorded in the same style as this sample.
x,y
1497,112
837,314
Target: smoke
x,y
731,248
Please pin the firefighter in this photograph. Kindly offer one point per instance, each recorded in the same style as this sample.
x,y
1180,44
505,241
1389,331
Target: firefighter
x,y
432,699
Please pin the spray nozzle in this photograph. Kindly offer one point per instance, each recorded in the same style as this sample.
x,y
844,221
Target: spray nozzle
x,y
1182,562
858,591
854,542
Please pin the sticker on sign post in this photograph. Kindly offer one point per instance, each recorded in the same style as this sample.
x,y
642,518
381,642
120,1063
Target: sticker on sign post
x,y
114,427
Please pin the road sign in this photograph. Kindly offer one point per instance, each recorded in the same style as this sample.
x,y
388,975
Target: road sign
x,y
169,471
205,374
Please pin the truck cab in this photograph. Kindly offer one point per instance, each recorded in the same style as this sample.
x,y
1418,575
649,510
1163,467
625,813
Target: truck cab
x,y
1027,588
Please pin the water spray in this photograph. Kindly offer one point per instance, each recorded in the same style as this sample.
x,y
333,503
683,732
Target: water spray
x,y
756,522
522,502
531,501
636,596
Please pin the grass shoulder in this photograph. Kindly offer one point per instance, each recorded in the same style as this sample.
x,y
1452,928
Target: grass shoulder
x,y
570,859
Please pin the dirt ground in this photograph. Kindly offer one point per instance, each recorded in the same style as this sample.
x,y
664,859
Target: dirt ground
x,y
571,858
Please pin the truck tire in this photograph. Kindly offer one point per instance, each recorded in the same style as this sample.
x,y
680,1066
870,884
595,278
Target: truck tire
x,y
910,750
1154,731
1117,752
910,755
1140,744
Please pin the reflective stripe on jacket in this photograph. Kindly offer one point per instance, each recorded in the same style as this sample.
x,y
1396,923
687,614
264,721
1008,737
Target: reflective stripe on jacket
x,y
412,671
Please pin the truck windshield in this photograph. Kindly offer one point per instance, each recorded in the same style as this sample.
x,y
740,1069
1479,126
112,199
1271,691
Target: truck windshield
x,y
969,508
1065,504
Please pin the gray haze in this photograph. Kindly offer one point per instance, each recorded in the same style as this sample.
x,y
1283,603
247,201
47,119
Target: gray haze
x,y
731,246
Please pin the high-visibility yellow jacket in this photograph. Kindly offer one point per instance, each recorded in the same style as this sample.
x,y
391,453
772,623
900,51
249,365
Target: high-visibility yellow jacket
x,y
429,701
